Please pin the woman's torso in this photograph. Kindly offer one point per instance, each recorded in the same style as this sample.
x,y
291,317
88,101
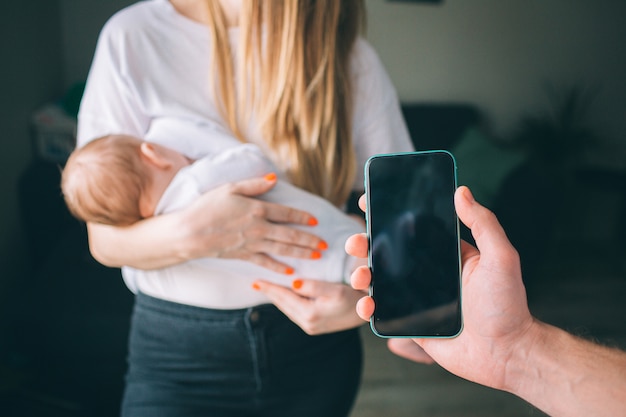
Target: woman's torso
x,y
152,64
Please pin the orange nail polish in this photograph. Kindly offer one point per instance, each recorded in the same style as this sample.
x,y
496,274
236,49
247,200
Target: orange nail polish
x,y
270,177
312,221
289,271
256,286
297,284
322,245
316,255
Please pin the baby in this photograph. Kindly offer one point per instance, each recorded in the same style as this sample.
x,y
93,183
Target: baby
x,y
119,179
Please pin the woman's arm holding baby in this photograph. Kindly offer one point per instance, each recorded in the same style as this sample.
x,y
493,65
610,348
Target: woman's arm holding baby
x,y
227,222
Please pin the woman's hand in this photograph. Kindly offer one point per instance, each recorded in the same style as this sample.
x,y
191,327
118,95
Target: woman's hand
x,y
316,306
226,222
229,223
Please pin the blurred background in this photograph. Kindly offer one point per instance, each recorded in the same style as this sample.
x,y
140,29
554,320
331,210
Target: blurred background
x,y
529,95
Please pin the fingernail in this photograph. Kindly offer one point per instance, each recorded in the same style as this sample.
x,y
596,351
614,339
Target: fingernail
x,y
316,255
322,245
271,177
297,284
469,197
289,271
312,221
256,286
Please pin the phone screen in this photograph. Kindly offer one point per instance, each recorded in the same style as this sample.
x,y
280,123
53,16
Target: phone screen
x,y
414,250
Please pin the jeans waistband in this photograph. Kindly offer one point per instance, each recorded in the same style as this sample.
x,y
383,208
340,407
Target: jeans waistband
x,y
158,305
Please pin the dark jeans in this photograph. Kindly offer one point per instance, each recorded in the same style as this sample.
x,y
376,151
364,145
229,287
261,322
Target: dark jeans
x,y
187,361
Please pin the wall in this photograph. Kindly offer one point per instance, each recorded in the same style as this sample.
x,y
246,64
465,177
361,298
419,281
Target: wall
x,y
32,73
82,21
47,45
499,53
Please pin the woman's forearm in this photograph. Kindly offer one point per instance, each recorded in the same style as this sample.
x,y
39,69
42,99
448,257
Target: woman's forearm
x,y
227,222
564,375
152,243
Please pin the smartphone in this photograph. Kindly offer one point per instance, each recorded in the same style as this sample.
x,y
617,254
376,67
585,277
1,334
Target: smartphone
x,y
414,245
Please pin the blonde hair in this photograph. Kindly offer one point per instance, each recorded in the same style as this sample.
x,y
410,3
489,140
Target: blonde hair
x,y
293,73
103,181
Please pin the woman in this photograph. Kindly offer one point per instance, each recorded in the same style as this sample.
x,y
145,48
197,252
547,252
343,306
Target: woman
x,y
294,78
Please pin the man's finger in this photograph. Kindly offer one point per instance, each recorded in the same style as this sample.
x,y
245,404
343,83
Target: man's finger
x,y
467,251
362,203
356,245
365,308
408,349
484,225
361,278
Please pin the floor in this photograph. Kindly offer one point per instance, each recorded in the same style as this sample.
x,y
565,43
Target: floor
x,y
578,287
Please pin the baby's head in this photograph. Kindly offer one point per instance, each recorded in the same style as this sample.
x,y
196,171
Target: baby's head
x,y
103,181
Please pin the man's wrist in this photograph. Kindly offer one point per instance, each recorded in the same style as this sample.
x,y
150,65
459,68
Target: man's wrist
x,y
520,370
542,365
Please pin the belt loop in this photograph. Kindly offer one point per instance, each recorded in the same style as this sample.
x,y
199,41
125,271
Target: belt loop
x,y
254,315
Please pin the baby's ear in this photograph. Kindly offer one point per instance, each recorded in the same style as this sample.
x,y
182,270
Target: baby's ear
x,y
153,155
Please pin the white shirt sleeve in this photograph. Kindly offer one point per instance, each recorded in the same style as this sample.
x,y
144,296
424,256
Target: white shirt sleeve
x,y
109,104
378,126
